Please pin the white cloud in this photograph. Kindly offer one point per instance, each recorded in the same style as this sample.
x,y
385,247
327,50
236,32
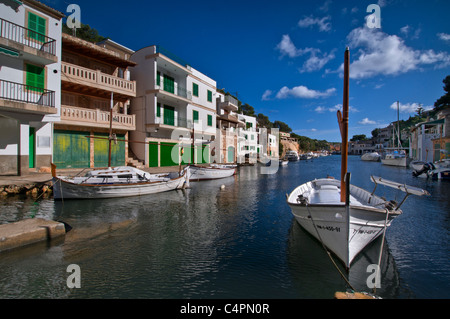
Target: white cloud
x,y
385,54
287,47
316,62
326,6
444,36
366,121
323,23
409,107
266,95
303,92
322,109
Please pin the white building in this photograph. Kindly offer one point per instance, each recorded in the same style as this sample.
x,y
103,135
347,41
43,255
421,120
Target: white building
x,y
173,101
248,142
30,84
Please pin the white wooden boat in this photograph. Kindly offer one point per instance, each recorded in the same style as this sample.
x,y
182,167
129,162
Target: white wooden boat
x,y
345,228
283,162
292,155
343,217
371,157
396,159
214,171
431,171
115,182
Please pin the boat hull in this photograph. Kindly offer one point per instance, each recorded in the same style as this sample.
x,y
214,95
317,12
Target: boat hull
x,y
344,230
198,173
67,190
371,157
401,162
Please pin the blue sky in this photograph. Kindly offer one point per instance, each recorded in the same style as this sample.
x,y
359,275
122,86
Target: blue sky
x,y
285,57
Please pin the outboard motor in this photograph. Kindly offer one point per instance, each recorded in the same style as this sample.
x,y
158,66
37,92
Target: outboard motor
x,y
425,169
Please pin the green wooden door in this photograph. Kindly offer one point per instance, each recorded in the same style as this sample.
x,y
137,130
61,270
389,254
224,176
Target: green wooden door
x,y
153,150
169,154
101,151
188,155
32,148
169,84
230,154
70,149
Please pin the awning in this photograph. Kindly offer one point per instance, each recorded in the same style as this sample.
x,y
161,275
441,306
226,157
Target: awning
x,y
9,52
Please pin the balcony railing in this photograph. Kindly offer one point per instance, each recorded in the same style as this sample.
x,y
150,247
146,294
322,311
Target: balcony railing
x,y
30,38
173,88
89,116
97,78
26,93
175,121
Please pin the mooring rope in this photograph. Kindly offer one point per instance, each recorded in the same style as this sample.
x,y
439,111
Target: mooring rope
x,y
328,252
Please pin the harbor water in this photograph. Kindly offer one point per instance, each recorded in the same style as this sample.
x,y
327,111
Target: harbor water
x,y
229,238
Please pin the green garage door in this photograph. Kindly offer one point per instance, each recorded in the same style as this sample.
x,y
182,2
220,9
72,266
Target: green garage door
x,y
169,154
153,154
70,149
101,150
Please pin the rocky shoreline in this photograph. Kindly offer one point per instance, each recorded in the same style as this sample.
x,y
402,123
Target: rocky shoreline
x,y
31,189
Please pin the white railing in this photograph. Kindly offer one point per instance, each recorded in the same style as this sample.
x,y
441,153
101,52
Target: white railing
x,y
96,77
78,114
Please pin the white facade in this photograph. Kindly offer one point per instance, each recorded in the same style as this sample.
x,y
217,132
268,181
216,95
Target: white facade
x,y
249,139
173,100
30,84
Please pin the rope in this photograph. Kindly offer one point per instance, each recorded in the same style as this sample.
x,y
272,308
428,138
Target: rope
x,y
381,247
328,252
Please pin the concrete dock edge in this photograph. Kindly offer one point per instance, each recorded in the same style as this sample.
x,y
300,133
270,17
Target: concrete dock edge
x,y
29,231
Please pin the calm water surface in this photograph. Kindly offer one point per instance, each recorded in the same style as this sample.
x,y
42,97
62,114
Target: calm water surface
x,y
236,242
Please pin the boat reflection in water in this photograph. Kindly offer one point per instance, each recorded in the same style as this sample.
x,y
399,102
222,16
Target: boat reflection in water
x,y
310,266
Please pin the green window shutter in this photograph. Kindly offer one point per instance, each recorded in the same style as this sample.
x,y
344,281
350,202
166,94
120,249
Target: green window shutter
x,y
38,25
210,120
35,78
195,89
169,115
158,78
195,116
158,109
169,84
209,96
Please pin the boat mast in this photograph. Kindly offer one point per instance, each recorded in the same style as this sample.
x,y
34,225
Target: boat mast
x,y
110,129
343,124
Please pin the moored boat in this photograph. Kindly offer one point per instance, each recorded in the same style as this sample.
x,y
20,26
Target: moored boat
x,y
371,157
214,171
122,181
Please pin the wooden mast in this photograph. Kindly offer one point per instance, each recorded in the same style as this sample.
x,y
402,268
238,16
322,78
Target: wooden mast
x,y
343,125
110,130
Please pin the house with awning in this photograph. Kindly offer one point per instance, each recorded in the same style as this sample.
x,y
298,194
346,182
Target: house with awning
x,y
30,84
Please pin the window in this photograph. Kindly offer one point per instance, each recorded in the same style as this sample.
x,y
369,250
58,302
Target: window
x,y
210,120
37,27
209,96
195,116
169,84
248,125
158,109
35,78
195,89
158,78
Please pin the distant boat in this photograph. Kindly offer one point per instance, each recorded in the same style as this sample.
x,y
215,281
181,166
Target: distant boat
x,y
371,157
283,162
343,217
121,181
214,171
292,156
396,158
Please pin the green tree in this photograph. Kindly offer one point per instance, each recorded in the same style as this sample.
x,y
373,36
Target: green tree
x,y
85,32
283,127
247,110
444,100
263,121
359,137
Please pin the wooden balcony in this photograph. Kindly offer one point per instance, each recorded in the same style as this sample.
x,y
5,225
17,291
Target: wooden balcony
x,y
83,80
71,115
